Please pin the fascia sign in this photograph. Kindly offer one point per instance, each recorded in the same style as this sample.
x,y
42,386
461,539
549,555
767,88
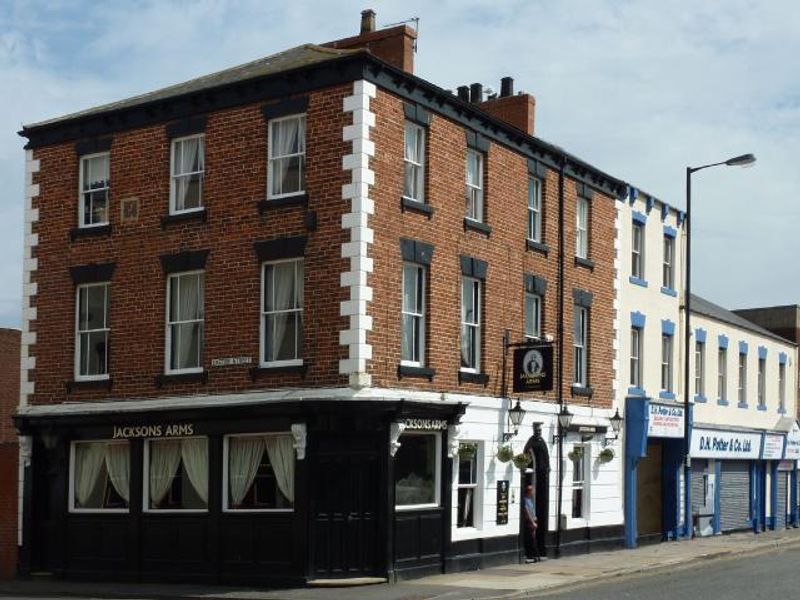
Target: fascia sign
x,y
665,421
709,443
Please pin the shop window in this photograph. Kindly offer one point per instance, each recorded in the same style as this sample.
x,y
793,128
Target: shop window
x,y
535,209
580,458
91,353
416,470
413,311
177,474
188,169
287,156
470,324
414,161
94,189
185,320
474,190
100,476
282,313
259,472
467,484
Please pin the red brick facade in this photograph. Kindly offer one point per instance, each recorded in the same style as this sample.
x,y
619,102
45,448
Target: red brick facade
x,y
9,451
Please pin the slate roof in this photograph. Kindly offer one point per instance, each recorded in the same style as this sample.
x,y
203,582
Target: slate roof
x,y
709,309
300,56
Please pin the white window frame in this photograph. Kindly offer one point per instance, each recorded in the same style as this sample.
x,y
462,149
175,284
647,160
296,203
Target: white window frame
x,y
437,483
174,177
741,395
476,289
262,324
271,158
762,382
418,313
79,332
533,330
146,479
667,357
722,373
668,270
580,368
700,369
71,486
585,485
636,357
474,191
82,192
535,209
168,335
417,166
582,228
226,484
477,495
637,250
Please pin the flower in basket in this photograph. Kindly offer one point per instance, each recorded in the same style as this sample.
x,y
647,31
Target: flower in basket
x,y
521,460
606,455
505,453
576,453
467,451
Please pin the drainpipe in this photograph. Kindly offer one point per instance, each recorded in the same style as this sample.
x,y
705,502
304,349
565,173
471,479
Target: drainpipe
x,y
560,351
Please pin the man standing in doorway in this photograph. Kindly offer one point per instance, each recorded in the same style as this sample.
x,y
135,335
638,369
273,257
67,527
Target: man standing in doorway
x,y
531,524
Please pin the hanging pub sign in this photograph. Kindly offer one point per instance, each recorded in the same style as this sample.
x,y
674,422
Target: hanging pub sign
x,y
533,369
502,502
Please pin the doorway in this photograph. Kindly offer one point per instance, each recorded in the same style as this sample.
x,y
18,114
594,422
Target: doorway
x,y
649,510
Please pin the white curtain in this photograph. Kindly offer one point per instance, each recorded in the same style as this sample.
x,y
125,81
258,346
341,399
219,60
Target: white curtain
x,y
281,457
288,138
283,287
194,452
164,460
118,465
88,462
244,458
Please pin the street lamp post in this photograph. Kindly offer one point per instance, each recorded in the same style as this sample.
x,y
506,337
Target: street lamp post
x,y
738,161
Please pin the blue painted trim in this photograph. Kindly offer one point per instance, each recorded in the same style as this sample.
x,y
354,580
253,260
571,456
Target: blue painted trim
x,y
762,407
664,210
687,484
742,347
639,218
717,497
669,292
667,327
742,404
651,202
633,193
638,319
722,341
636,391
670,231
637,415
722,402
666,395
637,281
782,358
762,352
700,335
773,492
754,510
793,514
681,217
762,516
700,398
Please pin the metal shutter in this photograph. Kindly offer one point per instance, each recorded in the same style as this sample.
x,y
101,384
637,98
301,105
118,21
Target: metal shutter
x,y
735,495
780,517
699,469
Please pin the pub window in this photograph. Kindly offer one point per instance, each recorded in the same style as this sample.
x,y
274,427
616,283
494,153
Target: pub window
x,y
94,188
188,169
414,161
580,480
534,209
185,319
582,228
100,476
470,324
287,156
282,313
533,315
416,470
177,474
580,339
259,472
413,350
467,484
92,331
474,191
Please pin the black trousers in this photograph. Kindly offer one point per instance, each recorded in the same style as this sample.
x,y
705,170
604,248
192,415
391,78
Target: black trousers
x,y
531,545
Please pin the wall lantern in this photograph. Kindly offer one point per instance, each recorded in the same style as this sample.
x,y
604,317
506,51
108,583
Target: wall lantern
x,y
515,416
564,421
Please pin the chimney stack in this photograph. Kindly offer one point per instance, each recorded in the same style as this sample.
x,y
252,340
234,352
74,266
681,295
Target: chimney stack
x,y
506,87
476,93
518,111
367,21
463,93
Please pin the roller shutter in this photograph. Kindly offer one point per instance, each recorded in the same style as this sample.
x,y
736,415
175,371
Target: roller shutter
x,y
735,495
783,488
699,470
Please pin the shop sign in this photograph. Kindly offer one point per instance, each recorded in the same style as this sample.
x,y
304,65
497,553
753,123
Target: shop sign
x,y
773,447
665,421
231,361
793,443
533,369
709,443
426,424
502,502
126,432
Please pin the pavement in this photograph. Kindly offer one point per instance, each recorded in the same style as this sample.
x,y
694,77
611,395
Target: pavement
x,y
509,581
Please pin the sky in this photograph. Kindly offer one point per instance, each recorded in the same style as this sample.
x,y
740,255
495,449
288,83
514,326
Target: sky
x,y
639,88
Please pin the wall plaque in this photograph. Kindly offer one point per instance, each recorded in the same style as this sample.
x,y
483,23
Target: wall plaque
x,y
502,502
231,361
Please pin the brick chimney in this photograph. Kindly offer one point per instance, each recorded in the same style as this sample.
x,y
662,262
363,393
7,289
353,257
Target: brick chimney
x,y
394,45
519,110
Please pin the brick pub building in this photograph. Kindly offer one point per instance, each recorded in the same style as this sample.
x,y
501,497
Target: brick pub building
x,y
265,314
9,451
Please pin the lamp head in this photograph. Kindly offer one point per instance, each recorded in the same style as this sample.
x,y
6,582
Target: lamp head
x,y
516,415
616,422
745,160
565,418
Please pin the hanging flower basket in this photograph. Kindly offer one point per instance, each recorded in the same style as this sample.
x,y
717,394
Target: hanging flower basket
x,y
606,455
521,460
505,453
467,451
575,454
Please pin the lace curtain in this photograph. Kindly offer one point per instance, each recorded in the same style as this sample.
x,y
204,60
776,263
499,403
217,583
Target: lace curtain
x,y
244,459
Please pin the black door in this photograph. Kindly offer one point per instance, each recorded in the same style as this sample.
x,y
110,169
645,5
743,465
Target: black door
x,y
344,491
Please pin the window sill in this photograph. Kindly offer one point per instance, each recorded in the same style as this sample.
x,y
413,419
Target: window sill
x,y
469,377
742,405
163,379
762,407
666,395
584,262
722,402
188,215
88,384
700,399
416,206
781,410
269,204
637,281
580,390
636,391
409,371
537,247
669,292
470,224
79,232
300,369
